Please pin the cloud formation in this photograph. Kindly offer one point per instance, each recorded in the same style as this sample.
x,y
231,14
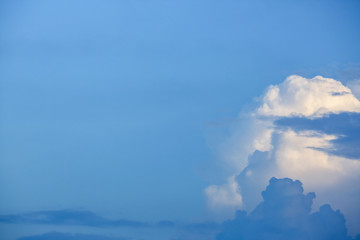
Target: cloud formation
x,y
306,129
285,214
69,217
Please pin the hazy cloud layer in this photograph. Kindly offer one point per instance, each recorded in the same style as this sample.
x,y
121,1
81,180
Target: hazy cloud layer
x,y
284,214
68,236
306,129
69,217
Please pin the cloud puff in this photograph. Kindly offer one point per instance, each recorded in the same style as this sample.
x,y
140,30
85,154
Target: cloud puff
x,y
284,214
307,129
68,236
225,195
68,217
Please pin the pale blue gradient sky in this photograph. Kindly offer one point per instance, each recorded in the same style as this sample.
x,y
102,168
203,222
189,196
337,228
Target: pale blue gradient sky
x,y
104,104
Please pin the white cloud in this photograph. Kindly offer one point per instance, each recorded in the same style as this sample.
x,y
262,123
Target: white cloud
x,y
296,154
224,197
308,97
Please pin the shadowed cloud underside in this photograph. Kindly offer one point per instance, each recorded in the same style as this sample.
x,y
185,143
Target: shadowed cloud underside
x,y
285,214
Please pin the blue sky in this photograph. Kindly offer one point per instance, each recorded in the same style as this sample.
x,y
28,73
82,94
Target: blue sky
x,y
123,108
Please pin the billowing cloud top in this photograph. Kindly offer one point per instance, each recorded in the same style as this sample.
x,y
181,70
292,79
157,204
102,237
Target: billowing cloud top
x,y
308,97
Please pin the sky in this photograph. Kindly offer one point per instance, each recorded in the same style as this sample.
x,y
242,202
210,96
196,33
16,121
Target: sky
x,y
152,119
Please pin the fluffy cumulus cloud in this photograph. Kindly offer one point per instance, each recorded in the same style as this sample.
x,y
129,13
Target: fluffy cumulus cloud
x,y
306,129
308,97
285,213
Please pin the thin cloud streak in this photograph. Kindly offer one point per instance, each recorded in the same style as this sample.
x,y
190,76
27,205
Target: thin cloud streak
x,y
69,217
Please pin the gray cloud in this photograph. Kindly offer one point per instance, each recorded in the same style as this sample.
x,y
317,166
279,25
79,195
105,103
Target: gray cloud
x,y
285,214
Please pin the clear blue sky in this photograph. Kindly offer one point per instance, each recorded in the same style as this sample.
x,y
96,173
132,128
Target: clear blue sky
x,y
104,104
